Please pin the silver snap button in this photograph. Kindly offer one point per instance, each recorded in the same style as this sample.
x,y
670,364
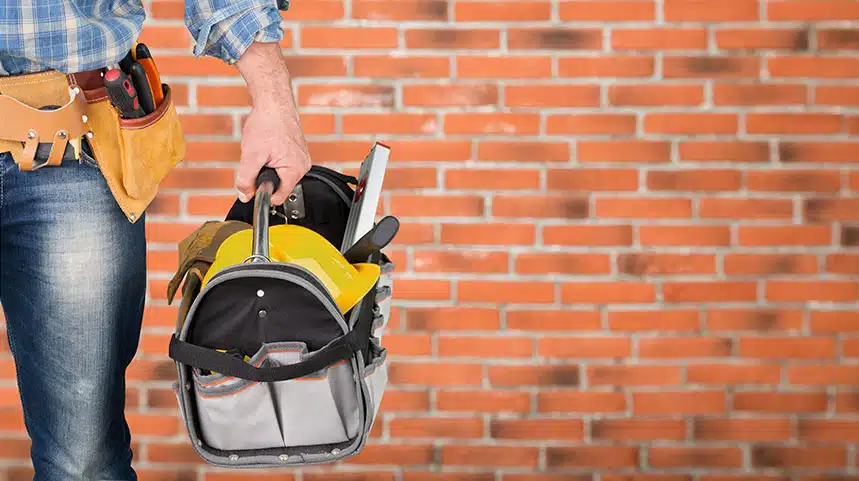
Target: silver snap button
x,y
293,214
31,134
292,197
260,293
234,457
283,457
89,135
62,134
262,313
84,118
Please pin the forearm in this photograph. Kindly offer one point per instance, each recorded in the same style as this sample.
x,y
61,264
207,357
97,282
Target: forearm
x,y
267,76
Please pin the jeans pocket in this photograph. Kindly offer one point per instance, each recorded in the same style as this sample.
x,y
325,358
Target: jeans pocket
x,y
320,408
226,403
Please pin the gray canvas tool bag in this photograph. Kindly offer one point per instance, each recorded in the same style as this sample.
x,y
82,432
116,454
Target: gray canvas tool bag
x,y
310,386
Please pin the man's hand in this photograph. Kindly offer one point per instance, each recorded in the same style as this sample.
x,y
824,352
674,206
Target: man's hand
x,y
272,134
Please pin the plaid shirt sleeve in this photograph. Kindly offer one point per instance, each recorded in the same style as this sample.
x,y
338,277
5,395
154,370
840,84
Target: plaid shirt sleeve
x,y
224,29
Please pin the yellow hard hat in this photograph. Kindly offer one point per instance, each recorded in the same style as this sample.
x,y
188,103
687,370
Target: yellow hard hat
x,y
348,283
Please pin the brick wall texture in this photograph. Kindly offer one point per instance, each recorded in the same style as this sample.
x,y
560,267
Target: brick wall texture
x,y
630,238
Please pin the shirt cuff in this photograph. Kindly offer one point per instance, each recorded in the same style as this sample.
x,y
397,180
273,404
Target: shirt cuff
x,y
226,33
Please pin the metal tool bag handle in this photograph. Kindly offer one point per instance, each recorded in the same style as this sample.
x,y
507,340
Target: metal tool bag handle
x,y
267,183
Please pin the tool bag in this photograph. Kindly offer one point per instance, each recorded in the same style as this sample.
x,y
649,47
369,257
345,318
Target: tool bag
x,y
270,372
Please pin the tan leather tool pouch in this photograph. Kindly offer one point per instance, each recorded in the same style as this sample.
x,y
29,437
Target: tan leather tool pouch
x,y
134,155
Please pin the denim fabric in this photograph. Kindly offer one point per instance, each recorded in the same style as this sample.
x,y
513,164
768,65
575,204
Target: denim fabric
x,y
72,286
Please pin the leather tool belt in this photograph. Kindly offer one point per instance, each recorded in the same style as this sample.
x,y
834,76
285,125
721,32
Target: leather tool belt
x,y
46,118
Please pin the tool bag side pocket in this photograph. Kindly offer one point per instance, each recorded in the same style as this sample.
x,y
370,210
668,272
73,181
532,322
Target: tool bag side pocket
x,y
135,155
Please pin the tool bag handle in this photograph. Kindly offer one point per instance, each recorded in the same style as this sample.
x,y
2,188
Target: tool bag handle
x,y
267,183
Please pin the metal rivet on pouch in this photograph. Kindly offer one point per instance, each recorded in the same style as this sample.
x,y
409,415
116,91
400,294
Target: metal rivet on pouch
x,y
294,214
133,216
283,457
31,134
77,90
89,134
260,293
234,457
335,451
262,313
292,197
62,134
199,442
84,118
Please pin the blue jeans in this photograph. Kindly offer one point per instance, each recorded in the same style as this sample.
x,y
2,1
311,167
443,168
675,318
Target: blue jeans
x,y
72,287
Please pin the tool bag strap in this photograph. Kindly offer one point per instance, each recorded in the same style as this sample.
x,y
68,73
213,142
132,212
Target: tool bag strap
x,y
340,349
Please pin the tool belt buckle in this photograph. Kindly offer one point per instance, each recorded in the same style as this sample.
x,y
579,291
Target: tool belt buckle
x,y
57,126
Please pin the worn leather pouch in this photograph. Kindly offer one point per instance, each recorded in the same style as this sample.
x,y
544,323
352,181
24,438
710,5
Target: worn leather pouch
x,y
135,155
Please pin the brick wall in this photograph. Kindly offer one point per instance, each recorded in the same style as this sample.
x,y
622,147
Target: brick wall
x,y
629,240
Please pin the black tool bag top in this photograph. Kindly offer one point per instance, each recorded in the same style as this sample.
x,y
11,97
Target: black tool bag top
x,y
270,372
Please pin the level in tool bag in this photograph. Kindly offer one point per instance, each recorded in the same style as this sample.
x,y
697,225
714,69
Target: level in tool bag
x,y
277,365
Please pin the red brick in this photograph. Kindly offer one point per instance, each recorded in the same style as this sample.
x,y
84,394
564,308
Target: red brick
x,y
685,235
588,235
506,292
711,67
797,235
842,263
399,10
797,291
684,347
318,10
411,401
476,66
453,38
805,10
698,457
830,209
435,427
813,67
679,402
590,180
438,206
523,152
805,457
794,124
460,261
385,67
581,402
690,124
389,123
590,124
633,375
638,430
488,234
347,37
534,375
583,348
435,374
484,347
608,457
659,39
455,95
758,320
484,455
546,207
710,11
733,374
553,320
834,321
655,95
763,209
495,401
836,95
746,430
552,263
643,208
486,11
408,344
608,292
709,291
537,429
662,320
475,123
378,453
541,96
607,66
607,11
750,94
694,180
423,289
769,264
822,374
646,264
492,179
779,402
719,151
554,39
762,39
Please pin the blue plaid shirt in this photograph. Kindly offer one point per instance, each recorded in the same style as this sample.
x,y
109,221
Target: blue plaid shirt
x,y
78,35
